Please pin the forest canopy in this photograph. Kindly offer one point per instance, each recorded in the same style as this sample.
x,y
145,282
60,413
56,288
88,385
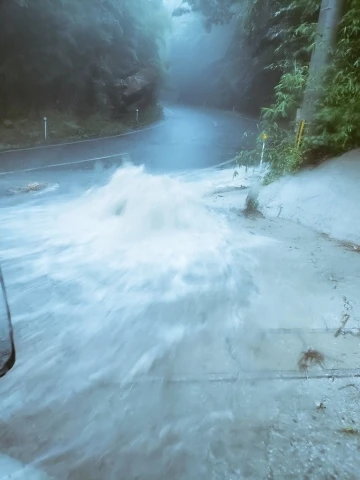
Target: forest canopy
x,y
215,12
75,54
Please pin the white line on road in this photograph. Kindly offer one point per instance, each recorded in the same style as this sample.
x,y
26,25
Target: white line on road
x,y
195,172
84,141
65,164
232,160
251,119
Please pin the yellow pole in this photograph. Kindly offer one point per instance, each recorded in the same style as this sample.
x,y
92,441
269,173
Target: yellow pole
x,y
300,133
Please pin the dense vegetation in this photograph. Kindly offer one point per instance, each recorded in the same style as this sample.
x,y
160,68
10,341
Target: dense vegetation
x,y
74,54
282,35
337,113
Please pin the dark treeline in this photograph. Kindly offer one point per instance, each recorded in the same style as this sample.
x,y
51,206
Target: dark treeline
x,y
215,12
76,54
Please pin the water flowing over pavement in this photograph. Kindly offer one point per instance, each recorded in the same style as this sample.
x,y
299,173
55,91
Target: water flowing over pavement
x,y
159,331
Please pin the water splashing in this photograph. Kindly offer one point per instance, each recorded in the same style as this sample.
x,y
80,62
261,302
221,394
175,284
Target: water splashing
x,y
104,289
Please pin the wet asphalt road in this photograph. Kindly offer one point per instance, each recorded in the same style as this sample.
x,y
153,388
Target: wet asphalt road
x,y
188,138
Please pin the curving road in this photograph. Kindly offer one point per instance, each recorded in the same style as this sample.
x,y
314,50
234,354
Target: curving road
x,y
187,138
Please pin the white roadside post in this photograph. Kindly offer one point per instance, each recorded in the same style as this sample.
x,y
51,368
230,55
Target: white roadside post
x,y
264,138
45,128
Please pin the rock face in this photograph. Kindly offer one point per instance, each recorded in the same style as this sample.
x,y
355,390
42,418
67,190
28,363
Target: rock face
x,y
325,198
138,88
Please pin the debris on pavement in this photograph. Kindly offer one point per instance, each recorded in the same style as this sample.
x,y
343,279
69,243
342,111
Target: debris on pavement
x,y
30,187
310,358
349,431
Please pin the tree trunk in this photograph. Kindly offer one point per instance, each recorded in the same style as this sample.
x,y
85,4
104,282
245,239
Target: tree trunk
x,y
325,43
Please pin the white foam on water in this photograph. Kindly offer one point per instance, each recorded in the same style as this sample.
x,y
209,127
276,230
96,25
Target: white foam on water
x,y
115,290
10,469
103,290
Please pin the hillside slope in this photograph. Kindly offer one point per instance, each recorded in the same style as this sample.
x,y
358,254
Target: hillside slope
x,y
325,198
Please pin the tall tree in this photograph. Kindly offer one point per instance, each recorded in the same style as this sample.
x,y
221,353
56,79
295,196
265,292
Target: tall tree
x,y
73,53
215,12
324,49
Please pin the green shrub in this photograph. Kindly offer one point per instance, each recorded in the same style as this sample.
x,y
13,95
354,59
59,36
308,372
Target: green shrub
x,y
338,113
